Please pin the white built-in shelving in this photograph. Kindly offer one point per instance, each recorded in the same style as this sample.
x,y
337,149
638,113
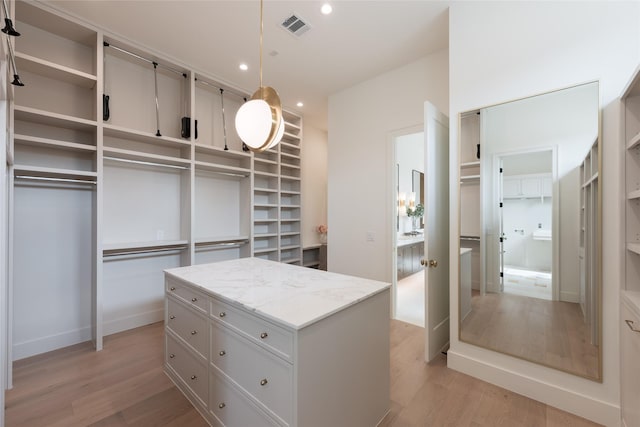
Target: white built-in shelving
x,y
103,206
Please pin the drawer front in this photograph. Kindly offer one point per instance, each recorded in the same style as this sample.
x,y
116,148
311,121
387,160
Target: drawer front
x,y
192,371
192,297
265,376
273,337
233,408
189,326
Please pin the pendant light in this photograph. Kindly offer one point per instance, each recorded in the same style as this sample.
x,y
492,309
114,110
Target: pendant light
x,y
259,121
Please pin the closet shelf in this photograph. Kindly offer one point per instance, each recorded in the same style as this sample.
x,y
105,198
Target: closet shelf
x,y
632,298
290,233
593,178
290,178
264,250
289,155
289,219
54,71
469,177
264,190
217,151
264,235
145,157
287,165
290,260
35,115
288,124
222,241
290,192
52,143
466,165
265,205
264,220
289,145
266,161
267,174
634,247
290,206
54,24
147,137
232,171
633,195
43,172
634,141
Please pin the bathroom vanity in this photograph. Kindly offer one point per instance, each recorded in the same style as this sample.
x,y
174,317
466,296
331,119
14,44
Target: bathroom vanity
x,y
252,342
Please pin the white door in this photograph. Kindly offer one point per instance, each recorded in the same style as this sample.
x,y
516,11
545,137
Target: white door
x,y
436,231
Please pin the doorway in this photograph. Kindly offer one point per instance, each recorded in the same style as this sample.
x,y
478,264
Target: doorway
x,y
408,275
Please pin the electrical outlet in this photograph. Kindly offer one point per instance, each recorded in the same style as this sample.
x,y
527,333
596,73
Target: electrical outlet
x,y
371,236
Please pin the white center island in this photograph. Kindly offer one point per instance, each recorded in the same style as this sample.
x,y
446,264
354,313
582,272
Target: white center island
x,y
255,343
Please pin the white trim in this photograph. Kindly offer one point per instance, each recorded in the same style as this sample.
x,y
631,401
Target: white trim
x,y
596,410
569,297
51,342
134,321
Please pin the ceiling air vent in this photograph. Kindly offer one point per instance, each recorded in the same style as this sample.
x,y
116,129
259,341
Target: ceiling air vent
x,y
295,25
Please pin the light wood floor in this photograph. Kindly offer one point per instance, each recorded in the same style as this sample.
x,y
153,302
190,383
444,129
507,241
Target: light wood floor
x,y
124,385
548,332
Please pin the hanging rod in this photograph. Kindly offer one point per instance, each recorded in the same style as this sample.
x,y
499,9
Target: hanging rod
x,y
206,83
238,242
175,70
44,178
474,238
235,175
107,254
140,162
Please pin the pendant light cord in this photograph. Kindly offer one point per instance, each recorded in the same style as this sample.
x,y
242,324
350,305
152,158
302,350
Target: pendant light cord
x,y
261,32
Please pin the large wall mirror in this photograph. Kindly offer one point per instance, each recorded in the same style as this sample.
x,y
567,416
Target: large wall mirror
x,y
530,218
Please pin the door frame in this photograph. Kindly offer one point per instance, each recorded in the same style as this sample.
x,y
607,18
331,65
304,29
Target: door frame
x,y
392,205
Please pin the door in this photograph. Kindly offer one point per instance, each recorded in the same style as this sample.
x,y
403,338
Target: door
x,y
436,231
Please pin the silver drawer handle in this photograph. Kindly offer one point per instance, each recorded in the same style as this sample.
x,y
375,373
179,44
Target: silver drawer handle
x,y
193,377
194,332
222,405
264,335
630,325
222,314
171,356
173,288
263,382
172,317
222,353
194,299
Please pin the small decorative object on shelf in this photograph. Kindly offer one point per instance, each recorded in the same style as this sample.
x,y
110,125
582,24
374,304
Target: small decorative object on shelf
x,y
322,230
415,214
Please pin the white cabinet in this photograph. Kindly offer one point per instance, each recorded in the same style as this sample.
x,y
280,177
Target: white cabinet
x,y
630,289
277,370
526,186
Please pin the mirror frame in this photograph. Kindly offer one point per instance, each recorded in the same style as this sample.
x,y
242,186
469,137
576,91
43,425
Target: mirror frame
x,y
599,293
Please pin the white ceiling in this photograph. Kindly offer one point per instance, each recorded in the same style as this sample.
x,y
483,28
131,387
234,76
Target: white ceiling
x,y
359,40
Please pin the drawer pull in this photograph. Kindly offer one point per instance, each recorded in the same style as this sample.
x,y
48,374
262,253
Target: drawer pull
x,y
263,382
173,288
222,314
194,332
172,317
221,405
630,325
194,299
222,353
193,377
171,356
264,335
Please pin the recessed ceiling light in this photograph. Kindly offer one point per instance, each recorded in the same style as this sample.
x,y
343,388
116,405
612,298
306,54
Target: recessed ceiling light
x,y
243,67
326,9
300,104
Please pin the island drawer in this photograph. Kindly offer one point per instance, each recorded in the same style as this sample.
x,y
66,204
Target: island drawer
x,y
188,325
231,407
271,336
187,294
191,371
268,378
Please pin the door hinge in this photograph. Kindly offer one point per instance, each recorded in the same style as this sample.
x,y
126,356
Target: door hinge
x,y
501,239
500,170
500,204
501,274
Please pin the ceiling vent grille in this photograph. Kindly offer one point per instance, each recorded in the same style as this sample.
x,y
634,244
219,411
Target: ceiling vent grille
x,y
295,25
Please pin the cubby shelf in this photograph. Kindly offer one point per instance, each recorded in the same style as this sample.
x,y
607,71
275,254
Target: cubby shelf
x,y
52,143
634,141
264,250
470,165
265,190
223,169
56,173
634,247
138,156
633,195
35,115
146,137
49,69
221,240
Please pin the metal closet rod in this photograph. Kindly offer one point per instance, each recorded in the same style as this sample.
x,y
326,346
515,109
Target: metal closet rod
x,y
175,70
142,251
140,162
206,83
44,178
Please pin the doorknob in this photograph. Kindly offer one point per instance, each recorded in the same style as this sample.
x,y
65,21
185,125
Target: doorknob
x,y
429,263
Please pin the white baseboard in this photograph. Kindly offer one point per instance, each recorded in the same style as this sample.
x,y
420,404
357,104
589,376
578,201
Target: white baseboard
x,y
551,394
50,342
569,296
134,321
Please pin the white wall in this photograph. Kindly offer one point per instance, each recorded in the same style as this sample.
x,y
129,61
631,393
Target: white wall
x,y
361,119
501,51
313,160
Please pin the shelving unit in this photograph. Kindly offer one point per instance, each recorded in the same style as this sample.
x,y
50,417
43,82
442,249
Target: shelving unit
x,y
104,206
630,288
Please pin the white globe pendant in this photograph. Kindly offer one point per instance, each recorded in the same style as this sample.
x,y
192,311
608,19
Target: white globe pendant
x,y
253,123
279,135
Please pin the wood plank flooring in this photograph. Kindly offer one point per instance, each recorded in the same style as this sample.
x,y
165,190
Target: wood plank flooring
x,y
549,332
124,385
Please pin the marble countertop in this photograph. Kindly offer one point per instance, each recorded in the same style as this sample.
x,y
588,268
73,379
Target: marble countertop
x,y
290,295
409,240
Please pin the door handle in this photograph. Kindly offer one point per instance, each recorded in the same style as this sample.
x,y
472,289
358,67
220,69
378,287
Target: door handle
x,y
429,263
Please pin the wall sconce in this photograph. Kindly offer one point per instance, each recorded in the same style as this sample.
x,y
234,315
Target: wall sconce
x,y
402,209
412,200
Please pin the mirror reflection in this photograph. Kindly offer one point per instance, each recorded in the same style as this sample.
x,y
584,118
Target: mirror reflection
x,y
529,229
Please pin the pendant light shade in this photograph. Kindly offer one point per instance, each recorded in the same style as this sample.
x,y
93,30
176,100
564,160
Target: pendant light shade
x,y
259,121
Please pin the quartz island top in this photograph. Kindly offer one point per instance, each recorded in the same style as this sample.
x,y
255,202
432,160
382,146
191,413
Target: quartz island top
x,y
289,295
